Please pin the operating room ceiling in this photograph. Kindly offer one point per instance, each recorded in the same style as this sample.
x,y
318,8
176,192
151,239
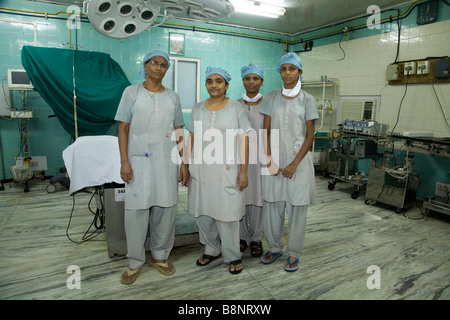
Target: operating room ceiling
x,y
300,16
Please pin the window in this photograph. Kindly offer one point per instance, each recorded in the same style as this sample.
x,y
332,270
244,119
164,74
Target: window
x,y
183,77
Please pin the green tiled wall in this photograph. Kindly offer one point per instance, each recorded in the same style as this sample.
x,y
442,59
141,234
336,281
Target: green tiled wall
x,y
46,137
219,47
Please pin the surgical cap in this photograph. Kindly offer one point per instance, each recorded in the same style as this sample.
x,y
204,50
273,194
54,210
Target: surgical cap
x,y
217,70
290,58
252,69
152,54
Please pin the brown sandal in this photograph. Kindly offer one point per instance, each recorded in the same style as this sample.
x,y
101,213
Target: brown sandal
x,y
129,276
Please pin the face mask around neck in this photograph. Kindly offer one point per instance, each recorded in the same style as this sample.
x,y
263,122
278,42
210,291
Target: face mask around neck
x,y
254,99
293,92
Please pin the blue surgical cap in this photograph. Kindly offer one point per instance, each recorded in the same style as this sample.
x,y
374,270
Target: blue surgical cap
x,y
252,69
217,70
291,58
152,54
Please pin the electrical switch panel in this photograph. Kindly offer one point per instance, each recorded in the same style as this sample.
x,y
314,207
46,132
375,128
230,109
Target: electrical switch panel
x,y
423,67
425,71
409,68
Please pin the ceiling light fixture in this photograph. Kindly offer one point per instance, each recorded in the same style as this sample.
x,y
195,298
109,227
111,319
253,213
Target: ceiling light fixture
x,y
125,18
265,8
121,19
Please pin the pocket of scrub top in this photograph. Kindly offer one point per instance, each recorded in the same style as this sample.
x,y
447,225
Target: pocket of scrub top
x,y
229,176
138,145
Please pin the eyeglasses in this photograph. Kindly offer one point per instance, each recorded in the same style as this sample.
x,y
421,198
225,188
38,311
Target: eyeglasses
x,y
289,68
157,64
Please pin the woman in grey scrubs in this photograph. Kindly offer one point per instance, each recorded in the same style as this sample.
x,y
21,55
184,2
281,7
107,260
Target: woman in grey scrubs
x,y
218,141
148,114
289,113
252,225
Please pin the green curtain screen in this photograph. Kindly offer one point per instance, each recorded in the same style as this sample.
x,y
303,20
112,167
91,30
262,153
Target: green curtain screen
x,y
99,83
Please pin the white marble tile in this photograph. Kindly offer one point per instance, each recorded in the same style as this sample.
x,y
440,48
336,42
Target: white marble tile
x,y
344,237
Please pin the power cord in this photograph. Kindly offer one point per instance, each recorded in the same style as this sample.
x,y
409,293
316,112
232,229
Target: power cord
x,y
340,40
98,216
440,106
401,102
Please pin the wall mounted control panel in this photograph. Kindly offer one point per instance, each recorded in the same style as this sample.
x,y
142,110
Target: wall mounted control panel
x,y
429,70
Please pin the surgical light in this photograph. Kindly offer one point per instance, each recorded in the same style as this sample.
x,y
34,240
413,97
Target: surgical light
x,y
121,19
126,18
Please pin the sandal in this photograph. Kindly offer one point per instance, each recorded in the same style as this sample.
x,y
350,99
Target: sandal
x,y
209,258
288,267
243,245
257,249
266,258
129,276
160,265
235,263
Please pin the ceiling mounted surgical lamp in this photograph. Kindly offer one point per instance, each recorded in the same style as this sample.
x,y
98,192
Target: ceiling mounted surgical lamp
x,y
126,18
121,19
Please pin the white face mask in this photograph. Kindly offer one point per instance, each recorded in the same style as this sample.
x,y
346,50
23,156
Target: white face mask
x,y
254,99
293,92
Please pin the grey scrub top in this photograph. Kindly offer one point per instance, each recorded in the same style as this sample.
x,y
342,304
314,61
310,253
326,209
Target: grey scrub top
x,y
214,167
289,118
253,193
152,118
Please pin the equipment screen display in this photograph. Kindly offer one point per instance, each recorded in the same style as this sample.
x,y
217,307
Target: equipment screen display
x,y
20,77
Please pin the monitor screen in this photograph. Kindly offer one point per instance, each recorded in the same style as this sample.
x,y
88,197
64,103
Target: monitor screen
x,y
18,79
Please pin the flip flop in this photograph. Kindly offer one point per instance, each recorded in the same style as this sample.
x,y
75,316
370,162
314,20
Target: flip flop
x,y
290,268
265,258
159,265
129,276
235,263
210,258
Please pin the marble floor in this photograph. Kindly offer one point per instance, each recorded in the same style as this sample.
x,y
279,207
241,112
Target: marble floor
x,y
352,251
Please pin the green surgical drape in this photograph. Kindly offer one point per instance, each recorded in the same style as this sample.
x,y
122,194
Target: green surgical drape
x,y
99,83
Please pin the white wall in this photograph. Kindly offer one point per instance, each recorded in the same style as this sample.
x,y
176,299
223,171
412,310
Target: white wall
x,y
363,72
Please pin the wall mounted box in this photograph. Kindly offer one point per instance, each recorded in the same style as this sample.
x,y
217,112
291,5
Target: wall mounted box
x,y
392,72
441,68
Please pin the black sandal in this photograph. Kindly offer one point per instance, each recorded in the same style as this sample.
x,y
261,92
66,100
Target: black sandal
x,y
243,245
257,249
210,258
235,263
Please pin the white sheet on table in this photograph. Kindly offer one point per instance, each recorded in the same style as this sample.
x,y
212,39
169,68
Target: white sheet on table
x,y
92,161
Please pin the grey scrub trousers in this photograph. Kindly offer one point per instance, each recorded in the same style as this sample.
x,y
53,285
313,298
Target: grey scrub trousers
x,y
161,223
219,236
296,227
